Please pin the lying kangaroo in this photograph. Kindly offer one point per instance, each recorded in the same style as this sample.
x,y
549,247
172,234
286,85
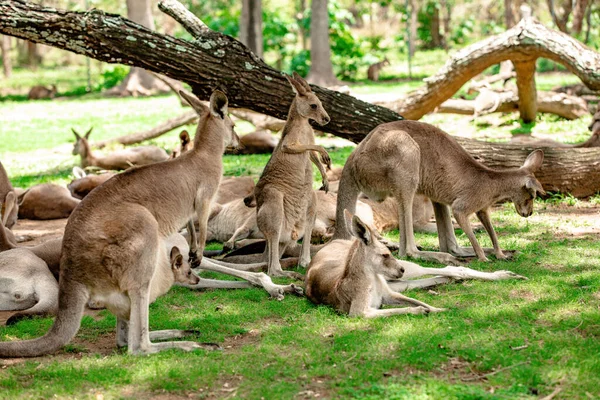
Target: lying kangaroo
x,y
8,198
257,142
351,276
358,276
84,183
286,204
46,201
593,141
415,157
42,92
111,246
374,69
117,160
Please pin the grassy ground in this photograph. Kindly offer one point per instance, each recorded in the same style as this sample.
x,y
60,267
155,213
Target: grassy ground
x,y
512,339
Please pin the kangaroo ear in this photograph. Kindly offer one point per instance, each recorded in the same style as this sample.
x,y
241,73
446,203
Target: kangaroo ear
x,y
193,101
21,197
358,228
10,202
534,186
301,81
78,173
176,258
87,134
184,136
218,104
297,87
76,134
534,160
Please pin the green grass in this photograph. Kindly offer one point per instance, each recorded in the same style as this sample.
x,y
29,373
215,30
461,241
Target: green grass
x,y
293,349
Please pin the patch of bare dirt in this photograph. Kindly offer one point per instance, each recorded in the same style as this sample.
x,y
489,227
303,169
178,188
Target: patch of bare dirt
x,y
38,232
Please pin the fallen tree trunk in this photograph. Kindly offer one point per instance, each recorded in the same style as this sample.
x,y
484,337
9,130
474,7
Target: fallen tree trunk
x,y
564,105
567,170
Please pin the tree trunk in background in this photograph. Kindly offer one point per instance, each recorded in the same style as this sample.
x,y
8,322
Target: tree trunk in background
x,y
32,56
412,26
321,69
447,17
578,15
588,20
251,26
436,37
560,19
139,82
299,17
509,18
5,50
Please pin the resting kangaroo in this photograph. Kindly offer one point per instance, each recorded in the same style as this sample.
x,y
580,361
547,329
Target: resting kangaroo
x,y
112,241
358,276
42,92
286,203
415,157
83,183
46,201
8,198
117,160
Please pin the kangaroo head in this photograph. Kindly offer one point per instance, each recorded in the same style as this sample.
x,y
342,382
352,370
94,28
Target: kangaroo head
x,y
80,141
216,114
524,194
377,256
182,272
308,104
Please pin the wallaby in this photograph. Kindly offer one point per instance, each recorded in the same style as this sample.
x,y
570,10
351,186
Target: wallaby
x,y
593,141
185,144
358,276
286,203
415,157
111,246
83,183
257,142
351,276
374,69
117,160
46,201
42,92
8,198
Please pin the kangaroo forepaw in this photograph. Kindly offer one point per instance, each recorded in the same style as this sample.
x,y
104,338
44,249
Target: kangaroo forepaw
x,y
295,290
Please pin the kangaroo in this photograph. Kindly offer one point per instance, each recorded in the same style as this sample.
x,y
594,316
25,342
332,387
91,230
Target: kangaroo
x,y
117,160
415,157
358,276
42,92
111,246
8,198
46,201
593,141
486,102
185,144
351,276
234,187
83,183
257,142
374,69
286,203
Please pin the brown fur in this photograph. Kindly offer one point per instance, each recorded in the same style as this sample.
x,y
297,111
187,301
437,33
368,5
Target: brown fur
x,y
257,142
8,199
42,92
185,144
234,187
375,69
111,245
83,184
286,205
46,201
118,160
415,157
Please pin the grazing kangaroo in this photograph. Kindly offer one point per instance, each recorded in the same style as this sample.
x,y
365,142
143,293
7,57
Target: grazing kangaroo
x,y
42,92
415,157
83,183
358,276
286,203
374,69
593,141
46,201
117,160
112,241
351,276
8,198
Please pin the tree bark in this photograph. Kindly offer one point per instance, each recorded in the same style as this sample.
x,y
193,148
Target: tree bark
x,y
564,170
251,26
509,18
412,27
436,37
578,15
560,19
525,70
5,50
564,105
321,68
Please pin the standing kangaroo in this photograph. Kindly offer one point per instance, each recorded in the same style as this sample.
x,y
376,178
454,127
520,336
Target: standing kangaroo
x,y
402,158
286,203
117,160
112,241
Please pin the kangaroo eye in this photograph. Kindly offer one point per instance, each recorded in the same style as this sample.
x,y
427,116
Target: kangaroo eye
x,y
313,106
388,255
189,273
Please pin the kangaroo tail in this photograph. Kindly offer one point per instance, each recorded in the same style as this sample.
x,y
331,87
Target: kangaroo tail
x,y
71,301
